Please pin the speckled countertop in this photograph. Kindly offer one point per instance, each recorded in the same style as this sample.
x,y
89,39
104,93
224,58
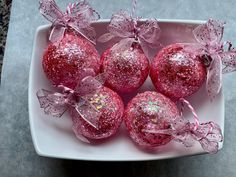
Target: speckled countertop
x,y
17,154
5,6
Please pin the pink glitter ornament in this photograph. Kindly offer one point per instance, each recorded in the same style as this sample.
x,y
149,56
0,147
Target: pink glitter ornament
x,y
145,108
153,120
96,111
126,70
177,73
126,62
63,61
111,107
71,49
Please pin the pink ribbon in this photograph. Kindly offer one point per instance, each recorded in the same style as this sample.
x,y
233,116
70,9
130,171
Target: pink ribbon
x,y
124,27
56,103
207,134
211,48
78,16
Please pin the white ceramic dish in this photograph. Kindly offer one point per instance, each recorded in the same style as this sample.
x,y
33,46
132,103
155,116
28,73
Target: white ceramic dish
x,y
54,137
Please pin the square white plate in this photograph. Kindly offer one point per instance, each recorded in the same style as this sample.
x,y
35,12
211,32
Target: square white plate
x,y
54,137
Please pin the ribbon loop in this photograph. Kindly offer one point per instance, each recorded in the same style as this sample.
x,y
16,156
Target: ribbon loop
x,y
150,32
88,85
121,25
209,33
54,104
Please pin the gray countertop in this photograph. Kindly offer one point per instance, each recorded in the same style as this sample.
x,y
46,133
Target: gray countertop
x,y
17,154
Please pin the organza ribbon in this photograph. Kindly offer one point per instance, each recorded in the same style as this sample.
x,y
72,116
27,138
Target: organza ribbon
x,y
124,27
78,16
56,103
211,48
207,134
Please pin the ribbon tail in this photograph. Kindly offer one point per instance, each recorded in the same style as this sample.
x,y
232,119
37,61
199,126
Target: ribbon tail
x,y
57,33
147,50
101,78
214,77
78,133
88,112
180,135
85,73
194,48
88,85
165,131
105,37
87,32
123,45
153,128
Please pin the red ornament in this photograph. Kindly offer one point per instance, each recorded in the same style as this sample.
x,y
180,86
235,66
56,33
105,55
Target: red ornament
x,y
126,70
177,73
147,109
111,107
63,61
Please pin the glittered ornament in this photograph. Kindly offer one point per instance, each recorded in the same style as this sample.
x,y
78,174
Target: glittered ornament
x,y
146,109
71,39
126,62
177,73
96,111
153,120
64,60
110,105
127,70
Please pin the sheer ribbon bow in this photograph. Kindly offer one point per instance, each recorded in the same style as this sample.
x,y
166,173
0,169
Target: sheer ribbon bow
x,y
57,103
211,49
207,134
78,16
124,27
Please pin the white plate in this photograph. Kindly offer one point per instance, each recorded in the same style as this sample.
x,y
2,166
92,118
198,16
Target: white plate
x,y
54,137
